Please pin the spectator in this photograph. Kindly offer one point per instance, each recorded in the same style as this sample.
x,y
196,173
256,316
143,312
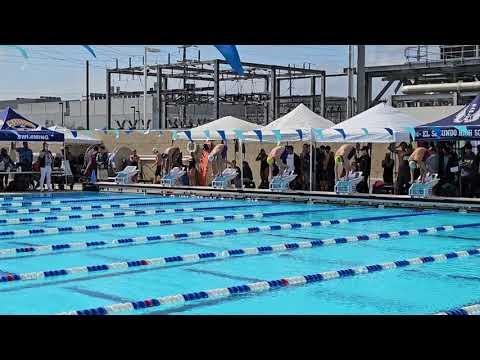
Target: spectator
x,y
330,160
92,162
403,152
192,173
262,157
364,164
431,162
158,166
25,157
387,165
45,159
247,175
292,162
102,163
467,171
305,166
237,181
6,164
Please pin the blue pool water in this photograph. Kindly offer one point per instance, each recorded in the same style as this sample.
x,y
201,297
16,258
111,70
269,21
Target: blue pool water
x,y
416,289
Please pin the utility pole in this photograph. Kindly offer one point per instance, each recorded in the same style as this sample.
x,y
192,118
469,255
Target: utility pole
x,y
361,80
145,76
87,97
350,84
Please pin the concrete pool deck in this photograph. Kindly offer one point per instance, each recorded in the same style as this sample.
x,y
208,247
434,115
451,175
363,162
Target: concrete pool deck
x,y
436,202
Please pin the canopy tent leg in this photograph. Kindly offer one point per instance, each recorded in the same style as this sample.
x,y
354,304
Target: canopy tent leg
x,y
241,165
311,162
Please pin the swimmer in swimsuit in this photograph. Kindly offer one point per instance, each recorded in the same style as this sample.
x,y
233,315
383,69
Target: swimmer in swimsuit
x,y
417,160
343,156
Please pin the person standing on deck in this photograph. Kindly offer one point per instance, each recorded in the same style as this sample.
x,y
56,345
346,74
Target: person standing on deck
x,y
45,159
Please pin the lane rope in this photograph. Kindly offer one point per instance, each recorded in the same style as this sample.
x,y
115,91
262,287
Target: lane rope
x,y
225,254
263,286
113,206
109,215
59,202
183,236
473,309
13,198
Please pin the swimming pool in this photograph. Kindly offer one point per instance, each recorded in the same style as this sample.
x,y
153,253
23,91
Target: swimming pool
x,y
97,253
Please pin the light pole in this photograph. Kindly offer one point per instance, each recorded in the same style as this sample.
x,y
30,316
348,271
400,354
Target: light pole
x,y
61,103
145,75
133,107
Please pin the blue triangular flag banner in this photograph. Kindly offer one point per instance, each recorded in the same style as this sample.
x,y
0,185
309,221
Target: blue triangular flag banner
x,y
300,134
188,133
117,134
239,134
390,131
365,131
174,134
318,133
207,133
90,50
462,129
412,132
20,49
342,132
230,53
259,134
222,134
74,133
277,135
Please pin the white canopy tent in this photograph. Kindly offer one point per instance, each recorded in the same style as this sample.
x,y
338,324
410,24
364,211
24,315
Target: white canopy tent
x,y
71,139
300,118
379,124
226,123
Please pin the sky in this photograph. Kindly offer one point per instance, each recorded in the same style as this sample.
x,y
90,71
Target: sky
x,y
60,70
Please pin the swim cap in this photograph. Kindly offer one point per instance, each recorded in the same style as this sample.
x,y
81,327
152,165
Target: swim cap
x,y
412,164
270,160
338,159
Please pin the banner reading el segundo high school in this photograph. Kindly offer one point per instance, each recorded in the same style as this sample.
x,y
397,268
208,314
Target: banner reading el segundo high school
x,y
463,125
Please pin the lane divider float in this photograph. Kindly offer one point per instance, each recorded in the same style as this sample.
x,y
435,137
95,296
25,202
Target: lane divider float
x,y
180,236
223,255
14,198
59,202
108,215
116,206
263,286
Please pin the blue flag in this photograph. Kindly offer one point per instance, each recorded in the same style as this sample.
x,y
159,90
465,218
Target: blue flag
x,y
239,134
90,50
222,134
74,133
207,133
390,131
188,133
174,134
462,129
318,133
412,132
300,134
277,135
365,131
230,54
342,132
259,134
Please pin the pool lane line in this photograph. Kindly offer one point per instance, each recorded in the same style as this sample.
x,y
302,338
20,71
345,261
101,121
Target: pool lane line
x,y
59,202
14,198
473,309
169,237
109,215
111,206
263,286
225,254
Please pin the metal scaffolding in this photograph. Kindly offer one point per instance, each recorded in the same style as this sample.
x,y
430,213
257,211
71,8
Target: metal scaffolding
x,y
215,72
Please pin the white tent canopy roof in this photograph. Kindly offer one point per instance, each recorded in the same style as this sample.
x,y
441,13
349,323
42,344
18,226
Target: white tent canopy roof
x,y
299,118
375,120
81,138
226,123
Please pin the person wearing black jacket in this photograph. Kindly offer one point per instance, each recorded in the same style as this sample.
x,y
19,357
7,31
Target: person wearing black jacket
x,y
364,163
262,157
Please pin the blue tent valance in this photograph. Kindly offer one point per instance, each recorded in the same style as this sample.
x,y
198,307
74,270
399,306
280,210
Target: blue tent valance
x,y
462,125
16,127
